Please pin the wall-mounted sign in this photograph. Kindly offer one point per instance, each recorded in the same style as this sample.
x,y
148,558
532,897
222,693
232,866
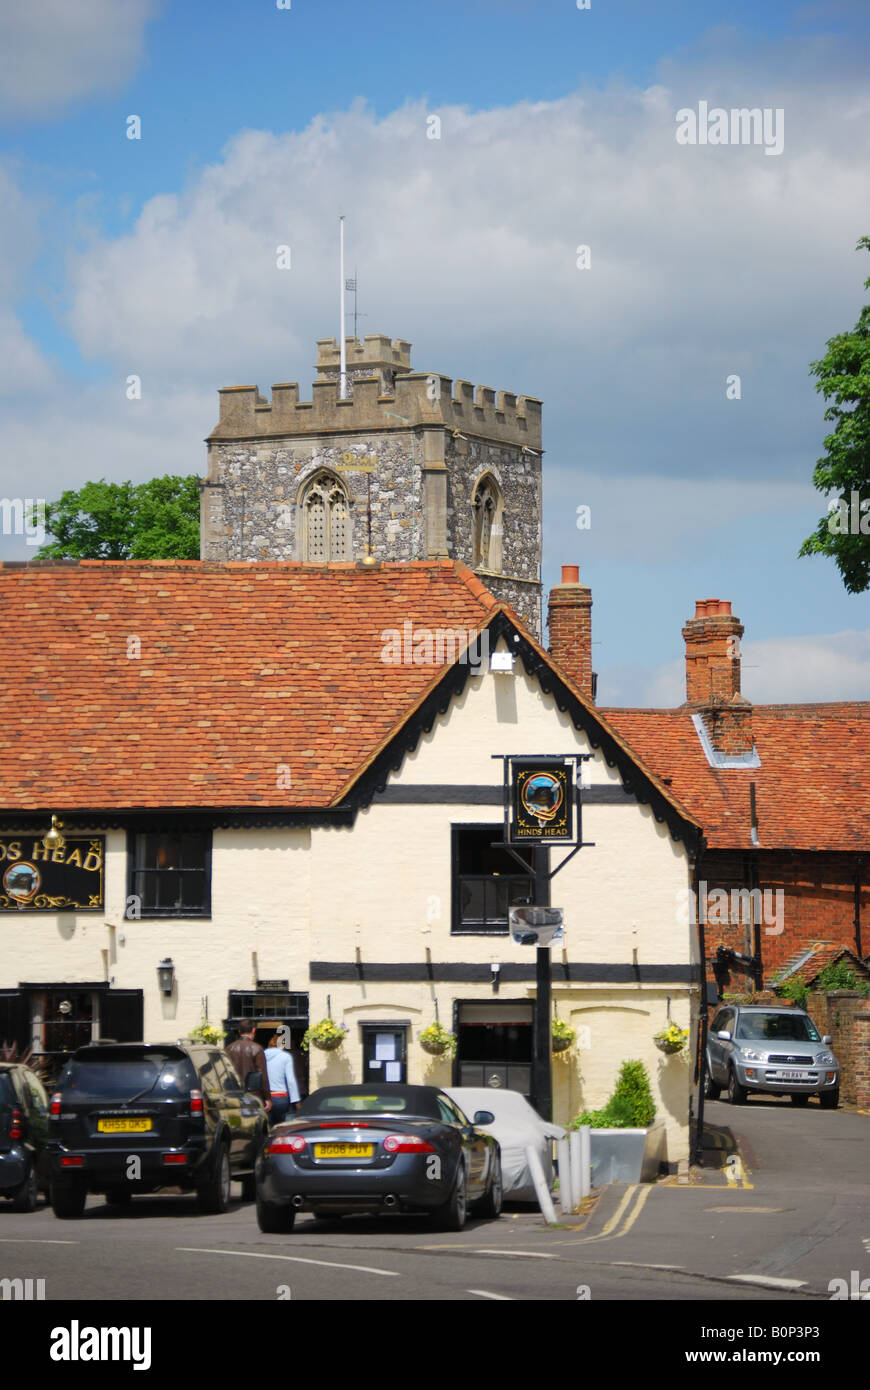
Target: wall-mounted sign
x,y
542,801
36,879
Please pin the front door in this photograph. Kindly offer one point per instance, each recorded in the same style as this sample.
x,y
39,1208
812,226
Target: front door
x,y
385,1053
495,1046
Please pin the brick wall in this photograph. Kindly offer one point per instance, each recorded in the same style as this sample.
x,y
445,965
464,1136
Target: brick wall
x,y
818,904
846,1017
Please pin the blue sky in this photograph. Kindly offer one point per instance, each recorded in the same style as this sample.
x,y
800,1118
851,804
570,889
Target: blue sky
x,y
259,125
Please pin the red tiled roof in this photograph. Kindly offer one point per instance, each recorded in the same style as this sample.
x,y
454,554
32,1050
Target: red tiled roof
x,y
822,955
812,788
243,669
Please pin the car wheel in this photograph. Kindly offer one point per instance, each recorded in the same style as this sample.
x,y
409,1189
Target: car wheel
x,y
67,1203
829,1100
213,1195
118,1197
736,1092
800,1098
490,1205
273,1219
27,1196
711,1090
451,1215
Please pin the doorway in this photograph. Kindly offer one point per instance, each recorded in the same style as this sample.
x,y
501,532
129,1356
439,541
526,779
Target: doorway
x,y
495,1043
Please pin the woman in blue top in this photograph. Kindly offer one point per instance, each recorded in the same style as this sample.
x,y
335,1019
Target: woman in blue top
x,y
282,1080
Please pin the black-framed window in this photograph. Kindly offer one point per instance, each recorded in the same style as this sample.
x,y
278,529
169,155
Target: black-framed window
x,y
170,873
487,880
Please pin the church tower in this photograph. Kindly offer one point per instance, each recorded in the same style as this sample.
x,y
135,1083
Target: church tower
x,y
409,466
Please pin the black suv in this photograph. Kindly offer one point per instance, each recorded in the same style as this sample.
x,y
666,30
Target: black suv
x,y
136,1117
23,1135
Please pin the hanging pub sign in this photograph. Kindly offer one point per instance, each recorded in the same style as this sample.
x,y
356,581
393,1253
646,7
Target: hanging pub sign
x,y
36,879
542,801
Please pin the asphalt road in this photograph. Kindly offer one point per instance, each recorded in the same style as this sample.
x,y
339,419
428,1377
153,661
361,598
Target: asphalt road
x,y
782,1208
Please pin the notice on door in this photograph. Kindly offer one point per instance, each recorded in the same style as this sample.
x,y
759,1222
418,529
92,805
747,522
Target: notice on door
x,y
385,1047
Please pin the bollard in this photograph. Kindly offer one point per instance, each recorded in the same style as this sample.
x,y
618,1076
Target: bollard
x,y
537,1172
581,1162
567,1200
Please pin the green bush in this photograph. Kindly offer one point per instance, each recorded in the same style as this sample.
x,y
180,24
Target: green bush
x,y
630,1107
794,990
841,975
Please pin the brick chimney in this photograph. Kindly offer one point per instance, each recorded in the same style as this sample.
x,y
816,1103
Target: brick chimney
x,y
569,618
712,640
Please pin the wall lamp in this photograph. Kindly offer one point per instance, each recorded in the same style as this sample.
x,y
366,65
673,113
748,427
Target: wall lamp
x,y
166,975
52,839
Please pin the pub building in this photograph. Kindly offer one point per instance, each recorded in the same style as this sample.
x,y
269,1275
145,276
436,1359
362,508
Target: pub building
x,y
236,789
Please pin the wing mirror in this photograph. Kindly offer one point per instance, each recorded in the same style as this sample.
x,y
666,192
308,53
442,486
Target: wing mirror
x,y
724,1035
827,1040
483,1117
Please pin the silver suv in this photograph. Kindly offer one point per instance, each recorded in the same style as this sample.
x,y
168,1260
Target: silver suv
x,y
774,1050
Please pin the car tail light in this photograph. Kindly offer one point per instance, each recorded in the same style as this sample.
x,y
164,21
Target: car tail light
x,y
175,1158
344,1124
54,1108
407,1144
75,1162
15,1125
286,1144
196,1102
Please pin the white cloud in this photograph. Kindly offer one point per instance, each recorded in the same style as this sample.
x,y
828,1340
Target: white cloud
x,y
54,52
780,670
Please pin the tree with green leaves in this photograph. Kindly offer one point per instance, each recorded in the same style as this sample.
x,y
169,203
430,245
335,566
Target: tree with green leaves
x,y
157,520
844,378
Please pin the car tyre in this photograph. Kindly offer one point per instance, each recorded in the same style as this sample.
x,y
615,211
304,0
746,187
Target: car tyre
x,y
490,1206
451,1215
213,1194
275,1220
68,1202
118,1197
27,1196
736,1092
711,1090
800,1098
829,1100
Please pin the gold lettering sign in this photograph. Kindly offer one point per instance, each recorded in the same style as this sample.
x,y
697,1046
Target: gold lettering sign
x,y
34,879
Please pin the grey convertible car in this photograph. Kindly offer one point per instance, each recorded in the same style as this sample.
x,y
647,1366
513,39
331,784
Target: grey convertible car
x,y
773,1050
379,1148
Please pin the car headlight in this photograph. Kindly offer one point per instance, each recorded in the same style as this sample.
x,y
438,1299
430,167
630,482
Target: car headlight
x,y
749,1055
826,1059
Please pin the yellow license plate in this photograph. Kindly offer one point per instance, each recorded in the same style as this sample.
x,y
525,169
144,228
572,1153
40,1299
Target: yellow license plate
x,y
123,1126
343,1150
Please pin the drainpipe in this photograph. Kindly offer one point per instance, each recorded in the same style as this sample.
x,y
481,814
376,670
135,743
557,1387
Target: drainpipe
x,y
700,1062
859,864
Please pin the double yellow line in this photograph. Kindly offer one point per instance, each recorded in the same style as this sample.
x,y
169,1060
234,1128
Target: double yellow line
x,y
633,1201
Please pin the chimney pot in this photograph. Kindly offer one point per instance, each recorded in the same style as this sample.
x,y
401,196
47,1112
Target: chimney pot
x,y
570,574
712,640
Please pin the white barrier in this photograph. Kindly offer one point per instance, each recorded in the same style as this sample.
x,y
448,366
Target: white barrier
x,y
537,1172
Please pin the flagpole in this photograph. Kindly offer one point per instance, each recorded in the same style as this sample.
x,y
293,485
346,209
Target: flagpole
x,y
342,378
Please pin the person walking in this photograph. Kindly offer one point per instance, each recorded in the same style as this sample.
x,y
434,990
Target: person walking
x,y
282,1080
247,1055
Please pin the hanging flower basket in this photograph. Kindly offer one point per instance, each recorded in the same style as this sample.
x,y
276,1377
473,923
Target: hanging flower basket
x,y
437,1041
563,1036
325,1035
671,1039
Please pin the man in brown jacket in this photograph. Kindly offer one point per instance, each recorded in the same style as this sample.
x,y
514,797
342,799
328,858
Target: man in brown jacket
x,y
247,1056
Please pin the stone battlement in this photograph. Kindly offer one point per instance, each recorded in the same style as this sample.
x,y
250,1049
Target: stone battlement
x,y
425,399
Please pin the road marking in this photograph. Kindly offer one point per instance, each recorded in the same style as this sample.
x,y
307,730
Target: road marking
x,y
502,1297
632,1264
523,1254
294,1259
12,1240
756,1209
612,1231
768,1281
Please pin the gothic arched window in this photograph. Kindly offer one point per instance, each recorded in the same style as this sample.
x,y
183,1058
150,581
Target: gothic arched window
x,y
486,512
326,533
